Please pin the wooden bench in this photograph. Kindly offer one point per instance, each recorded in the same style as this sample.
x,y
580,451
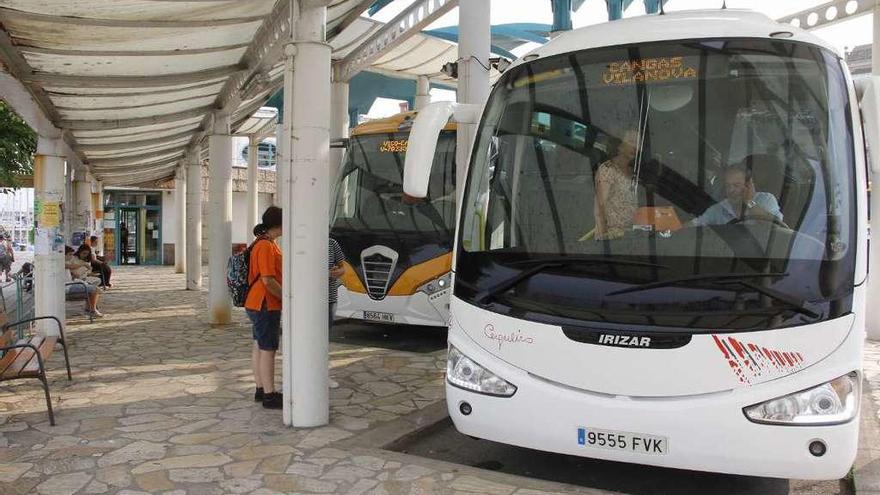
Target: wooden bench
x,y
26,358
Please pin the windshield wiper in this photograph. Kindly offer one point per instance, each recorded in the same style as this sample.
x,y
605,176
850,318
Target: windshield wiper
x,y
546,263
740,279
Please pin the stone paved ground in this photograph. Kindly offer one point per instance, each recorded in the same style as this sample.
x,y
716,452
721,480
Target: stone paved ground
x,y
162,403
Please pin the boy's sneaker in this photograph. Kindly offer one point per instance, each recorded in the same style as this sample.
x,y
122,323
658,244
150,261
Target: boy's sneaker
x,y
258,395
273,400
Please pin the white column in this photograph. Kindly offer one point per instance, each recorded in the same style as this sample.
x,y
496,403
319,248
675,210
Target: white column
x,y
253,187
872,315
49,184
281,162
306,209
180,217
193,221
339,126
473,75
423,95
219,220
81,205
98,201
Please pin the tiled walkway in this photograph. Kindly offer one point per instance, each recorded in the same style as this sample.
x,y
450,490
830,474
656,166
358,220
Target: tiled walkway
x,y
161,402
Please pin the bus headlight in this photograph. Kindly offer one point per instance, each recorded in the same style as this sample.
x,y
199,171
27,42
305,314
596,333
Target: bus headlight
x,y
463,372
830,403
437,284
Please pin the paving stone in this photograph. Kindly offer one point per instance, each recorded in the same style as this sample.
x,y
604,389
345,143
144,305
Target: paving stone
x,y
196,438
12,471
154,482
260,452
182,450
368,462
240,485
137,451
115,476
347,473
64,484
305,469
361,487
96,488
68,464
472,484
275,465
187,461
240,469
197,475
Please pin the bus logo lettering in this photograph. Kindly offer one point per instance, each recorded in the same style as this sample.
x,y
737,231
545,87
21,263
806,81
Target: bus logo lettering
x,y
624,340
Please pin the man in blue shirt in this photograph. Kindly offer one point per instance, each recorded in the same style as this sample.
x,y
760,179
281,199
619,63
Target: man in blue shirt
x,y
741,202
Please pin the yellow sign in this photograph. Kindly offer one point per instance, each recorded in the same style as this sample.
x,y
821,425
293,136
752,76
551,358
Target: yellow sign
x,y
394,146
50,216
648,70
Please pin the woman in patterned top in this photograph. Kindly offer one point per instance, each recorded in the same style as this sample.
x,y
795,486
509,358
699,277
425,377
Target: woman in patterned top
x,y
615,201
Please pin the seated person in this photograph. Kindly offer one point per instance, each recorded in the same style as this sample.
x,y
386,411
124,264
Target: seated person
x,y
741,201
87,253
78,270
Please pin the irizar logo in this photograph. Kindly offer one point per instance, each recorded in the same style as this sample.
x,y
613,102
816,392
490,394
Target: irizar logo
x,y
624,340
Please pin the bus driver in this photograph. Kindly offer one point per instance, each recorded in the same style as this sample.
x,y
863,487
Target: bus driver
x,y
741,201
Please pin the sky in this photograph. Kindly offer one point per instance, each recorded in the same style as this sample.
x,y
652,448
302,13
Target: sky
x,y
843,35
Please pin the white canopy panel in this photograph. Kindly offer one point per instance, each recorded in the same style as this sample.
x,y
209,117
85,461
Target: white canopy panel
x,y
133,83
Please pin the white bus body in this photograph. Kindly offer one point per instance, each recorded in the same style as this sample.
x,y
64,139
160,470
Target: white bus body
x,y
684,341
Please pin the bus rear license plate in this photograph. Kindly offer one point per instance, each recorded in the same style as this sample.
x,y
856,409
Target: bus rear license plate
x,y
622,441
379,316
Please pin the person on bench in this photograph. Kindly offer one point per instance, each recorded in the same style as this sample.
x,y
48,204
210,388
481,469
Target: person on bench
x,y
87,253
79,288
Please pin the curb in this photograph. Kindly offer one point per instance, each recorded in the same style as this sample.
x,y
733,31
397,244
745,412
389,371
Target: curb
x,y
866,470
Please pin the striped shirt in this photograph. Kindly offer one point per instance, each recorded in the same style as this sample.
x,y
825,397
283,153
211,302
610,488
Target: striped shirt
x,y
335,257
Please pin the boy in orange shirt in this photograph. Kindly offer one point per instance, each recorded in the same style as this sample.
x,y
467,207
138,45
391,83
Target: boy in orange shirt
x,y
263,306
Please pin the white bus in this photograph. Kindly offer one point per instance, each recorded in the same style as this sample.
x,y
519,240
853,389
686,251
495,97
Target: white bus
x,y
705,308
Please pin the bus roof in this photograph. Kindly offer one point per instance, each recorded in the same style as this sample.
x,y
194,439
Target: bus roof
x,y
683,25
396,123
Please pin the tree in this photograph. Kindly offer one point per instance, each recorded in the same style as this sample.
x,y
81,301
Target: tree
x,y
18,143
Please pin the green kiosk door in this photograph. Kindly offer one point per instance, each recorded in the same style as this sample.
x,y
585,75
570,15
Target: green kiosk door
x,y
128,228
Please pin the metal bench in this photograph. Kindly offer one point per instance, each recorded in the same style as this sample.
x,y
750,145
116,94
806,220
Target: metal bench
x,y
26,357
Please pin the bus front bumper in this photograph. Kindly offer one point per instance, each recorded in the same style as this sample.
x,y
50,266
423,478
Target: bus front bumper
x,y
415,309
705,433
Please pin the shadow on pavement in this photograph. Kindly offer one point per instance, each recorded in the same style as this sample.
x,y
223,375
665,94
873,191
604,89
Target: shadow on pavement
x,y
447,444
408,338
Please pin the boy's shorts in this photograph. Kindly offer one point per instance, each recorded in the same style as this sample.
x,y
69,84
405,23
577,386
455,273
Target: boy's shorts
x,y
267,328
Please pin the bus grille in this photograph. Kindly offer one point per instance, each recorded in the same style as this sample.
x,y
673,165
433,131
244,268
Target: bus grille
x,y
377,271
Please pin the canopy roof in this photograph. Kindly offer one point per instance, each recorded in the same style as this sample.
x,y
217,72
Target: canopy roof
x,y
134,83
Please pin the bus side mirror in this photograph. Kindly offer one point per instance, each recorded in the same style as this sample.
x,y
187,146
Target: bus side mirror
x,y
868,89
423,142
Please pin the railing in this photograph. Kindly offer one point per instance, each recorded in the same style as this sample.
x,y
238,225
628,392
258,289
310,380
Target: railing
x,y
17,299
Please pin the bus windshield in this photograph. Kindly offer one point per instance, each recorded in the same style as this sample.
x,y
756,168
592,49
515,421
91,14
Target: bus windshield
x,y
369,195
714,177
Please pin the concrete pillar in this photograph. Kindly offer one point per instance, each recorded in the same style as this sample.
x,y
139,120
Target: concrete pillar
x,y
219,220
253,187
98,207
49,185
81,206
180,217
306,210
281,162
423,92
68,201
193,221
873,293
473,75
339,126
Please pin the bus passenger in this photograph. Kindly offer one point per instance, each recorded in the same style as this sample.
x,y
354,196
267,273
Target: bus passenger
x,y
615,202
